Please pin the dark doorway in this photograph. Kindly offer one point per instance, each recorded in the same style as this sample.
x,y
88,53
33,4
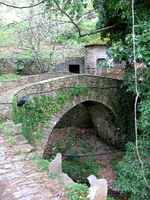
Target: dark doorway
x,y
99,60
74,69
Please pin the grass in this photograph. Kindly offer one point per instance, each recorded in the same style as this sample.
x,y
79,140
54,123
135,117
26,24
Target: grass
x,y
77,191
17,153
11,140
42,163
115,160
9,131
9,77
53,176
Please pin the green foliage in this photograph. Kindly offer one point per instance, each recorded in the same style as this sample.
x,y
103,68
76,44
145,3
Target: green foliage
x,y
123,50
17,153
74,9
119,12
80,168
11,140
123,106
110,198
79,90
35,113
72,37
130,179
77,168
102,64
9,77
77,192
7,36
43,164
144,121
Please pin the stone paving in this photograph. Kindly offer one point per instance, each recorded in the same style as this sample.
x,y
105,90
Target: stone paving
x,y
19,178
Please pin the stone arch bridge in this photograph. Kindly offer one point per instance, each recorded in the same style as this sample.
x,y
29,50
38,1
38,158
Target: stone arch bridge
x,y
101,95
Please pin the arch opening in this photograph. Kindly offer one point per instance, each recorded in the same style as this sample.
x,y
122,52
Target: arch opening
x,y
90,115
85,129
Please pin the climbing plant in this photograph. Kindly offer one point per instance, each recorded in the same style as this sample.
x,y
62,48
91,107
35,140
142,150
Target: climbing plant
x,y
36,112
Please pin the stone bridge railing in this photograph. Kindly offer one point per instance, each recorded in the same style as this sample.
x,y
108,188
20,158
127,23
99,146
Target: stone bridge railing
x,y
47,86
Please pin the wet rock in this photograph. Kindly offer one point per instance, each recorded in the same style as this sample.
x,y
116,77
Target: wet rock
x,y
98,188
55,166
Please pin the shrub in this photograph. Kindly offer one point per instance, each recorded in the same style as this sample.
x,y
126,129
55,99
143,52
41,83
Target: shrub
x,y
77,192
80,168
130,179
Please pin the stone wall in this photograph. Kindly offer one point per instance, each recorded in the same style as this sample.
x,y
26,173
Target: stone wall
x,y
30,79
98,98
92,54
23,66
104,122
64,67
76,117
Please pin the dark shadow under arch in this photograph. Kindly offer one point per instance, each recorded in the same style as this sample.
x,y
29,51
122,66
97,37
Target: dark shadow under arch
x,y
100,117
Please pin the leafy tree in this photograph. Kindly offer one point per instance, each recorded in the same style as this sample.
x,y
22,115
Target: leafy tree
x,y
130,174
119,12
130,178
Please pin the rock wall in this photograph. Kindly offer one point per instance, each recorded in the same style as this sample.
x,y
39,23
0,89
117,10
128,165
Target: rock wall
x,y
64,67
23,66
30,79
104,122
77,117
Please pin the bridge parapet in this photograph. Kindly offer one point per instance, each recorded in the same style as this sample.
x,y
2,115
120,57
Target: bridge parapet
x,y
47,86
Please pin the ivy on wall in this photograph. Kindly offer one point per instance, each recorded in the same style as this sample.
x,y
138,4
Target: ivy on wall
x,y
123,107
35,113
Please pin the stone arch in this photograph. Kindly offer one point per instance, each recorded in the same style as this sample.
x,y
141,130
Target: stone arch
x,y
101,101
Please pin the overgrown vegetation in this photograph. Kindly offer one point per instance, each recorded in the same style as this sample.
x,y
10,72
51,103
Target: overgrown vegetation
x,y
123,106
9,77
77,192
130,169
35,113
40,162
130,174
80,168
73,143
118,15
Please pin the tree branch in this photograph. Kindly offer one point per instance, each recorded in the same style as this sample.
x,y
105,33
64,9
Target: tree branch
x,y
21,7
99,30
65,13
77,27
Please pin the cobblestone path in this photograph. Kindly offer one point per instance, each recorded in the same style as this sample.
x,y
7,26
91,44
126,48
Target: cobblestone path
x,y
19,178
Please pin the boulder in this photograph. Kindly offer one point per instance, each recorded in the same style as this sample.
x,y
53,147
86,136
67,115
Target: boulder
x,y
8,127
66,179
98,188
12,129
18,129
55,166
